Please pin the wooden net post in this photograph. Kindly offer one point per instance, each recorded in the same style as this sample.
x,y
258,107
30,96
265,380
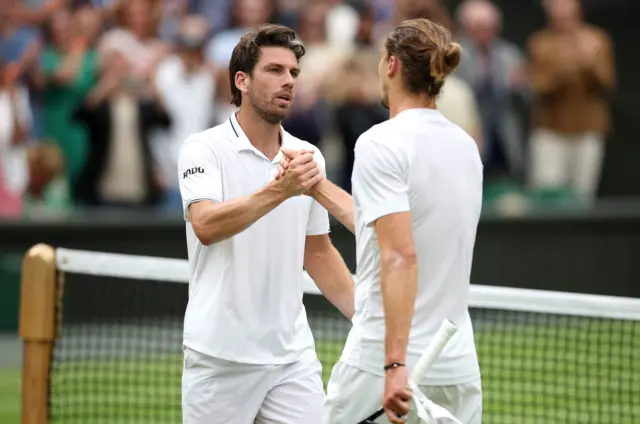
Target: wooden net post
x,y
38,294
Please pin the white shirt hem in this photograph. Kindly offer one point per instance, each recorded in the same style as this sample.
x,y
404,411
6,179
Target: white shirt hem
x,y
430,381
290,358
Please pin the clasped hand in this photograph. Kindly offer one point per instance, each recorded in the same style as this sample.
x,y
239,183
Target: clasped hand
x,y
298,172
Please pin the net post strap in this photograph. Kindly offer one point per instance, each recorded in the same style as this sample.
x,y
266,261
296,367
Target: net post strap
x,y
480,296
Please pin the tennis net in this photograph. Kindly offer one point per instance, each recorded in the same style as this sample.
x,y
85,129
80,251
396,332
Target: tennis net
x,y
546,357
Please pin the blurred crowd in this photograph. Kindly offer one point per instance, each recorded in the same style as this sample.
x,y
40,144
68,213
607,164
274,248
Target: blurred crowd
x,y
96,96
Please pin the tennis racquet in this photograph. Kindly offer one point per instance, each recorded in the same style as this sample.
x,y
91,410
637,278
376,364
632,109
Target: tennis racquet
x,y
446,330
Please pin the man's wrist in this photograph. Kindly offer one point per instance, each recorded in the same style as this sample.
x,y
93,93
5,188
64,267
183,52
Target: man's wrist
x,y
393,365
316,189
274,192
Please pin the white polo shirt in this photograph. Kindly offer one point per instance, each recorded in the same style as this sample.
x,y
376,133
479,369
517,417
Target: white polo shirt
x,y
245,293
422,163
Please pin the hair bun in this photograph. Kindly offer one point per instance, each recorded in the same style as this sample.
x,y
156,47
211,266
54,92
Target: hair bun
x,y
452,49
452,57
444,60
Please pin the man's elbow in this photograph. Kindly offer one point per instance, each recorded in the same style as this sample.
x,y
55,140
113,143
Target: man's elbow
x,y
404,258
203,235
203,231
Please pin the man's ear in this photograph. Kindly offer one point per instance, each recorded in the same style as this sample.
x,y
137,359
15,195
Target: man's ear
x,y
393,67
242,81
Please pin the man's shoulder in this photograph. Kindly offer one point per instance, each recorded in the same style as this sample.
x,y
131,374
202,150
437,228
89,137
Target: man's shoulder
x,y
383,143
216,138
379,134
598,32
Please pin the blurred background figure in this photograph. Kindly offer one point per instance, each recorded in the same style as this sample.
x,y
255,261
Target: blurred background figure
x,y
20,47
135,37
47,193
495,69
119,172
354,90
69,66
15,121
342,21
185,83
456,101
309,117
215,12
244,14
175,54
358,109
572,75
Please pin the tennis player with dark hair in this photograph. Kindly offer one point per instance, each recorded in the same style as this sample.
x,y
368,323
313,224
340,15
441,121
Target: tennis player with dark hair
x,y
417,195
249,355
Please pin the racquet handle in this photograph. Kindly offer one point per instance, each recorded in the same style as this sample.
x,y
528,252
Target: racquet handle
x,y
442,336
444,333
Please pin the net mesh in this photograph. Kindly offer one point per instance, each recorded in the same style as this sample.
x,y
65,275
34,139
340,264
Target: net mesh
x,y
545,358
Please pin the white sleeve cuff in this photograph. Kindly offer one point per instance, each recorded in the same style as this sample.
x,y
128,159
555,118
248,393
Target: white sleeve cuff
x,y
399,203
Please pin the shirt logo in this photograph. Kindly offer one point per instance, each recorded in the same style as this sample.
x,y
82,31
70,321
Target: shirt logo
x,y
192,171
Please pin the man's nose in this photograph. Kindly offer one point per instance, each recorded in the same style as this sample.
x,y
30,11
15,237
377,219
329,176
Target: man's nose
x,y
289,80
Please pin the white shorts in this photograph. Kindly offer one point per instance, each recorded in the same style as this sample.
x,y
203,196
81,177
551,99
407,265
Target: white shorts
x,y
353,395
215,391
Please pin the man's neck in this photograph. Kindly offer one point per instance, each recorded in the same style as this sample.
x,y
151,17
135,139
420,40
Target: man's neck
x,y
399,102
567,29
264,136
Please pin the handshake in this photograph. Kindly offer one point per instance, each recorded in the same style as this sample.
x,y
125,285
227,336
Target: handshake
x,y
298,173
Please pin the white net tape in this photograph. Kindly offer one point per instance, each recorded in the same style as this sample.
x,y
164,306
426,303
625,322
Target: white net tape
x,y
481,296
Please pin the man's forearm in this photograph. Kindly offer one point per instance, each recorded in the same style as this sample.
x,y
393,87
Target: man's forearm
x,y
219,221
328,270
398,279
336,201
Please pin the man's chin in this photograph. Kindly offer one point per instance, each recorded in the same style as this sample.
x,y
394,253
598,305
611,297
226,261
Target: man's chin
x,y
274,116
384,102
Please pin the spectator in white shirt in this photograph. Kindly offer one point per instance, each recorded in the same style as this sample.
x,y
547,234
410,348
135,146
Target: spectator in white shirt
x,y
185,84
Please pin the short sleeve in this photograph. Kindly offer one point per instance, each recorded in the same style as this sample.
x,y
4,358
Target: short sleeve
x,y
199,174
318,223
379,180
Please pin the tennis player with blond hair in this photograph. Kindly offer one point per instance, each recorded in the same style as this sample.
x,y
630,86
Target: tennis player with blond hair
x,y
417,195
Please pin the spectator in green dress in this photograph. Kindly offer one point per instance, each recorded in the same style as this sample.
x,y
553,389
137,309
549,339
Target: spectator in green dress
x,y
68,72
